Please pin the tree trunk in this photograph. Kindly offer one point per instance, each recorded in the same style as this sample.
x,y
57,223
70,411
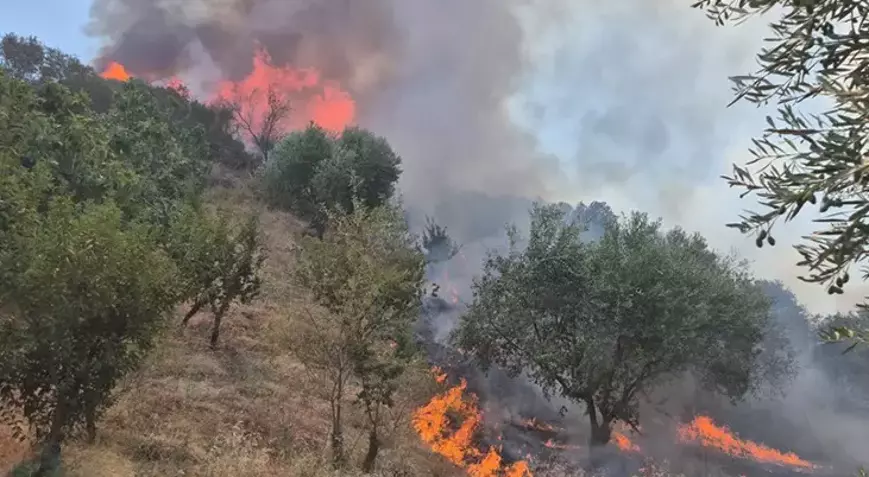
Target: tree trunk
x,y
337,436
601,432
91,424
49,454
193,310
218,318
373,449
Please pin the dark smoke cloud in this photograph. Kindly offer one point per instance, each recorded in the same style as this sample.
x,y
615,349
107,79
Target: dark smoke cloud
x,y
433,77
336,37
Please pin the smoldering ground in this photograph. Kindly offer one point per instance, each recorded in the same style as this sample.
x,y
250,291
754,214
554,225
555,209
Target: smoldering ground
x,y
494,103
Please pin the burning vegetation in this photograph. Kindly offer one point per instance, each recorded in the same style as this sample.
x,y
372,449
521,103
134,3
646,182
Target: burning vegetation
x,y
451,424
702,430
599,323
309,97
448,424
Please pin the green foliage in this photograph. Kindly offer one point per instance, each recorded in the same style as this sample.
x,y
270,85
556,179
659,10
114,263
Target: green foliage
x,y
290,174
818,159
438,244
87,207
312,171
170,160
134,154
28,59
375,165
220,264
367,276
82,310
601,323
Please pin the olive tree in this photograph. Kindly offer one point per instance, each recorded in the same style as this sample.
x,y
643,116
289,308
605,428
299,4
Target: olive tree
x,y
602,323
366,276
85,307
814,59
220,262
313,171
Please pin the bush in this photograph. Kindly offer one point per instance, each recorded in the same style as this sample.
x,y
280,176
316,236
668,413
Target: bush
x,y
312,171
80,314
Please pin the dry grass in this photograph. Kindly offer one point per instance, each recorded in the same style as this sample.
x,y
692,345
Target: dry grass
x,y
11,449
245,409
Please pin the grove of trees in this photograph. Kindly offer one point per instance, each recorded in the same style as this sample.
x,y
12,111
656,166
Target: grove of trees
x,y
313,171
97,206
104,233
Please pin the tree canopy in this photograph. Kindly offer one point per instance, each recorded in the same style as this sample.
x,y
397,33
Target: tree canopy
x,y
603,322
89,237
367,277
813,60
312,171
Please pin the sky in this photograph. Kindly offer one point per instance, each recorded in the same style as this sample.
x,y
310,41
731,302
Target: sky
x,y
58,23
629,95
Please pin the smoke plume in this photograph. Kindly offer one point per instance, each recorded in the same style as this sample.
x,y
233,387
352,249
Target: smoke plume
x,y
433,77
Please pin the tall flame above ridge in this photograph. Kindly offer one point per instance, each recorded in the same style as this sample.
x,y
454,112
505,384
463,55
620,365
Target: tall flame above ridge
x,y
115,71
433,78
312,99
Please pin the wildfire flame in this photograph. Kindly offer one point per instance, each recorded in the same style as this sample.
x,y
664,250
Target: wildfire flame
x,y
555,445
115,71
704,431
439,374
539,426
624,443
311,98
435,421
453,291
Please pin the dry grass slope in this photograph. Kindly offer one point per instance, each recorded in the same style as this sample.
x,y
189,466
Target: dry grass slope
x,y
246,409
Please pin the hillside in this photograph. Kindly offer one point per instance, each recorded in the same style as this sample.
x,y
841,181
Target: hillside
x,y
200,286
245,409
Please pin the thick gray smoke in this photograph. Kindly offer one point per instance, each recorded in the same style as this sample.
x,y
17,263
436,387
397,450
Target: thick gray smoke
x,y
433,77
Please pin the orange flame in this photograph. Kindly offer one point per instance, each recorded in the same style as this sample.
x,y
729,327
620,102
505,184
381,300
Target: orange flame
x,y
439,374
115,71
703,430
538,426
434,423
624,443
453,291
311,98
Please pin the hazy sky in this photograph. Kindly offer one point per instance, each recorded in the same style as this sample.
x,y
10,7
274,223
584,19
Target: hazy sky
x,y
630,95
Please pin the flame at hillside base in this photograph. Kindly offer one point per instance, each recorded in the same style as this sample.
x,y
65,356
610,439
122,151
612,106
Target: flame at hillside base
x,y
311,98
704,431
436,424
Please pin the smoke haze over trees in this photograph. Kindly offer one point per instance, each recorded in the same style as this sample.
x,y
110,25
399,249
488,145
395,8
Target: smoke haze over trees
x,y
452,92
